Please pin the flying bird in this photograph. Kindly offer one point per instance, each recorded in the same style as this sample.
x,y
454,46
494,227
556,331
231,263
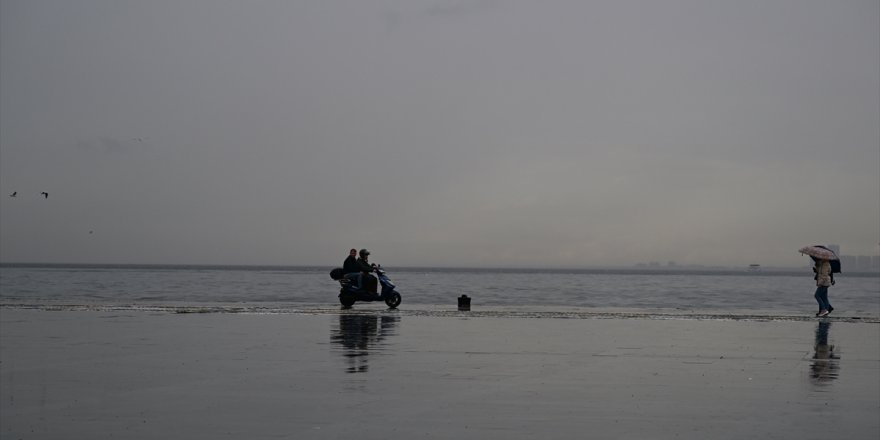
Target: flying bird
x,y
14,193
45,194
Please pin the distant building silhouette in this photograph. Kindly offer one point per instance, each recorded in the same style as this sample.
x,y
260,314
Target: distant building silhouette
x,y
857,263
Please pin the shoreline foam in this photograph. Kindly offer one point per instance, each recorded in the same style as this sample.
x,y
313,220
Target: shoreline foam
x,y
441,311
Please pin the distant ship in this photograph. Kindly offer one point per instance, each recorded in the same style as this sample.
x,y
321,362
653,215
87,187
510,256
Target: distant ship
x,y
754,267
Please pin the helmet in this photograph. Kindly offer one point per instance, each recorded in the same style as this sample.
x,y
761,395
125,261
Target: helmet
x,y
364,253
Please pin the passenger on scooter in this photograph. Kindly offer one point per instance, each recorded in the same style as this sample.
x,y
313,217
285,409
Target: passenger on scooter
x,y
350,268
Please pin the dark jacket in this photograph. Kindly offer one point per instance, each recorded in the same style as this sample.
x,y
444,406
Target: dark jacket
x,y
364,266
351,265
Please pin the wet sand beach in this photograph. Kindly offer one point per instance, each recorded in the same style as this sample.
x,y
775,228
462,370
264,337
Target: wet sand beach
x,y
377,374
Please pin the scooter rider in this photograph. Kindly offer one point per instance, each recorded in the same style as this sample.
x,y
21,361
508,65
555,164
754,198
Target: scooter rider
x,y
364,266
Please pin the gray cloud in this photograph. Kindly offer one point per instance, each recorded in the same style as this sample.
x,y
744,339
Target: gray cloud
x,y
459,8
439,133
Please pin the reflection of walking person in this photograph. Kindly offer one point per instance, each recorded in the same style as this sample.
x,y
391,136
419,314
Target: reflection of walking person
x,y
824,367
822,268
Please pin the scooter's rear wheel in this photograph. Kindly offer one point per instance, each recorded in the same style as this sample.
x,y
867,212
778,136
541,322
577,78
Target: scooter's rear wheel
x,y
393,299
347,299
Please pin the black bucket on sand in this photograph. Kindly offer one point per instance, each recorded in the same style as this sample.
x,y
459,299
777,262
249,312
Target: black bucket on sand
x,y
464,303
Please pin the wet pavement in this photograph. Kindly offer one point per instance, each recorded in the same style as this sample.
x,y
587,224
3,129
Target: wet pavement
x,y
383,374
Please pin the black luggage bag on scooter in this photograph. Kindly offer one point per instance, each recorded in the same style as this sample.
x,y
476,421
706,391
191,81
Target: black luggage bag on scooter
x,y
337,274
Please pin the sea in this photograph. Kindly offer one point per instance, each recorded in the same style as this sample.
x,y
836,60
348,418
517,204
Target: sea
x,y
554,292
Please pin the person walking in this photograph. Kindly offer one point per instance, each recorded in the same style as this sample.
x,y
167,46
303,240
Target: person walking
x,y
822,269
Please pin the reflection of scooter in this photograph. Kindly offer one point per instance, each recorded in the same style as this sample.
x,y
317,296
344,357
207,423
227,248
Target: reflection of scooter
x,y
349,293
359,335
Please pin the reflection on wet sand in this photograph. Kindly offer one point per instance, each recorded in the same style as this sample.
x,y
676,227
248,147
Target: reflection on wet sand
x,y
824,367
360,334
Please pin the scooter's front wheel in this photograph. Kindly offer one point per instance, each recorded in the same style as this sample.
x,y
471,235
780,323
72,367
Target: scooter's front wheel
x,y
393,299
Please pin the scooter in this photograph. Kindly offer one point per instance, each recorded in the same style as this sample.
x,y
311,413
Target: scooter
x,y
349,293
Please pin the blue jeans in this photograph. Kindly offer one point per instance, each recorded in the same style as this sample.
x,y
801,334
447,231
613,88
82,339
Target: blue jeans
x,y
353,275
822,298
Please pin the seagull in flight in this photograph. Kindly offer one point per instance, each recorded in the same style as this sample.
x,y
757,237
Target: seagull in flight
x,y
45,194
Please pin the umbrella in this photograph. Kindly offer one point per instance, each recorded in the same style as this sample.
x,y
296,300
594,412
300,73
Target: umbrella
x,y
820,252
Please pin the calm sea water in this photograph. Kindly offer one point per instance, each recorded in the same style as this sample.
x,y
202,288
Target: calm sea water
x,y
726,291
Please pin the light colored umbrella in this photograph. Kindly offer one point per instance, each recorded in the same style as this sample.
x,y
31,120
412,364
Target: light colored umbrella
x,y
820,252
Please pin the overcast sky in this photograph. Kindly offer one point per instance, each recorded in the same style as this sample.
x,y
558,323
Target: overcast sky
x,y
438,133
